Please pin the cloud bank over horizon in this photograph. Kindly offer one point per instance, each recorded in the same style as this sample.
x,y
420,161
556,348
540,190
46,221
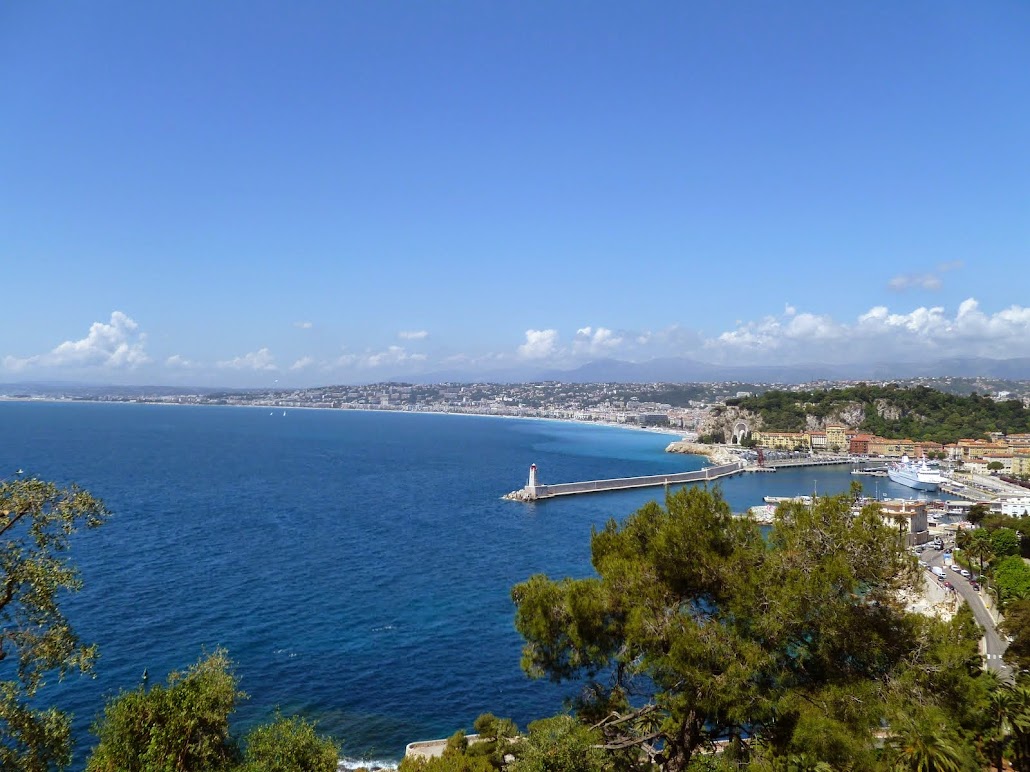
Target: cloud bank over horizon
x,y
117,348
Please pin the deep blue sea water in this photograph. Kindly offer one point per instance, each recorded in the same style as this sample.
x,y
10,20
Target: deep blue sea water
x,y
356,565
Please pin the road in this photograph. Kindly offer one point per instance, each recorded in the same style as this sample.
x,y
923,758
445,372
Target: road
x,y
994,644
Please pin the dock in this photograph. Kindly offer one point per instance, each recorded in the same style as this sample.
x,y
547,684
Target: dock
x,y
535,491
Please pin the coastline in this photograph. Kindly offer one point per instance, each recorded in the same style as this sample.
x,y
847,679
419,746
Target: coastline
x,y
611,424
717,454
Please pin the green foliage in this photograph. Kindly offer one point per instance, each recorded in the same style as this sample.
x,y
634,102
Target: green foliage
x,y
980,547
184,727
1017,625
923,413
37,520
495,738
562,744
977,513
181,727
455,758
1004,542
288,745
926,743
1011,580
796,640
715,438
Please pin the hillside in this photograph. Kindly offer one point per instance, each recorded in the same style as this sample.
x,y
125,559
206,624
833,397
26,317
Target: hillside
x,y
920,413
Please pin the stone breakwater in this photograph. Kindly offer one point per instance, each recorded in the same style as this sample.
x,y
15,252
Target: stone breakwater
x,y
534,490
717,454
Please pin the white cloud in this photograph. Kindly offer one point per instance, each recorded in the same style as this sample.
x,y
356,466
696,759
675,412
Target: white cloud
x,y
592,342
540,344
932,280
392,355
923,333
178,361
261,359
302,363
926,281
116,344
413,334
789,310
303,325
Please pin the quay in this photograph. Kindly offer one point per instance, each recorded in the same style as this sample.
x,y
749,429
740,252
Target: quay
x,y
788,463
535,491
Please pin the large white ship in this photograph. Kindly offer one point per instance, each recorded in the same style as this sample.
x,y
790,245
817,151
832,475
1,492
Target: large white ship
x,y
921,476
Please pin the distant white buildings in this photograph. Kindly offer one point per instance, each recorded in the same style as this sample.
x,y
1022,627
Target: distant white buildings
x,y
1016,506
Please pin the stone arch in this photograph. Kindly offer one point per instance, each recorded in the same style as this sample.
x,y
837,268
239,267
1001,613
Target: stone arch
x,y
740,432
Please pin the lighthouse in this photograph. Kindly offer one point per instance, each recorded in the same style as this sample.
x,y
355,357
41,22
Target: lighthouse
x,y
531,485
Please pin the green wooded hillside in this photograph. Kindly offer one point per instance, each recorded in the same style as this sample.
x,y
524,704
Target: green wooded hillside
x,y
923,413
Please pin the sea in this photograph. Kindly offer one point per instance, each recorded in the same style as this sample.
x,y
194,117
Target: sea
x,y
357,565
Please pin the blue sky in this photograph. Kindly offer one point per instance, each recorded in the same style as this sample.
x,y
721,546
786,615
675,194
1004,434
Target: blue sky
x,y
239,193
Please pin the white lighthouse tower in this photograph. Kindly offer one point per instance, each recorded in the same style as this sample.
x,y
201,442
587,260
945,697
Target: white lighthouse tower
x,y
531,485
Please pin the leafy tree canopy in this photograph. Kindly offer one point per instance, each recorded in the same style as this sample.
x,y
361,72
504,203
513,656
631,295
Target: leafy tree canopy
x,y
1005,542
698,628
288,745
184,727
37,521
922,413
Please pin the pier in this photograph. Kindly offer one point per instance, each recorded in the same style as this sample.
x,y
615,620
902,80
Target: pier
x,y
535,491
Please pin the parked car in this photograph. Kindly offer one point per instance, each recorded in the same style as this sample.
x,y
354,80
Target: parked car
x,y
966,574
975,586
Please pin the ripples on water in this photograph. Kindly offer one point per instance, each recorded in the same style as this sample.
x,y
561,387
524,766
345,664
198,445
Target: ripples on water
x,y
356,565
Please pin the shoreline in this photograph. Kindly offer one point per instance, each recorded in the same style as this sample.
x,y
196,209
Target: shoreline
x,y
614,425
717,454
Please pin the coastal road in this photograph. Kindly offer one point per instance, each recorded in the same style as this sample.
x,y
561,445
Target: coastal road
x,y
994,644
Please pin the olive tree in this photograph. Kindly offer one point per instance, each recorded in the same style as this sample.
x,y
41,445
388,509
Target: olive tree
x,y
183,726
37,521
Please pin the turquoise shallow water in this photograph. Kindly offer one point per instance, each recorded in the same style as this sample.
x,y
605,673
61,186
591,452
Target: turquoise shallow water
x,y
357,565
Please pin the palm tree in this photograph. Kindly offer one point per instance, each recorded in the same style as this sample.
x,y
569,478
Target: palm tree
x,y
1003,705
980,547
1019,720
962,538
914,747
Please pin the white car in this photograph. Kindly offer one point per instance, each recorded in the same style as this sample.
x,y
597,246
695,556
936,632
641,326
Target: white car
x,y
965,573
956,567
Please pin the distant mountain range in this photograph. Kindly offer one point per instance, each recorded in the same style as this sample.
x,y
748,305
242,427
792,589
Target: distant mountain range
x,y
664,370
684,370
75,389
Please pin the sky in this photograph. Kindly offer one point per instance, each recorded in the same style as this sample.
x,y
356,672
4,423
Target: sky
x,y
248,193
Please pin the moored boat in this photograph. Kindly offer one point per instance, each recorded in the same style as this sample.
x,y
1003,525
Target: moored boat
x,y
921,476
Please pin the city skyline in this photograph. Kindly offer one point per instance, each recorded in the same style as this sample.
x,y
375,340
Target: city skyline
x,y
250,194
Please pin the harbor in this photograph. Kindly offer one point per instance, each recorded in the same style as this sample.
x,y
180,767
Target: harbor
x,y
950,500
534,490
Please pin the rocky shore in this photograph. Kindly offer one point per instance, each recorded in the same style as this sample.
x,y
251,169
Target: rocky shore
x,y
717,454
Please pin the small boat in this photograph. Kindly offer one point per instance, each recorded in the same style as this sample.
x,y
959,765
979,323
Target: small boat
x,y
779,499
